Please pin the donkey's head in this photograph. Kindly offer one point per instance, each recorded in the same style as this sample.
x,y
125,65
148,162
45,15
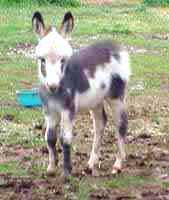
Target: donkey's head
x,y
53,49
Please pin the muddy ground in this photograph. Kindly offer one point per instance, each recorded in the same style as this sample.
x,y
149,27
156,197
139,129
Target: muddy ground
x,y
147,148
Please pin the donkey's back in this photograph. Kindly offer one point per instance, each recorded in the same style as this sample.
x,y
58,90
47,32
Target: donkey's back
x,y
97,71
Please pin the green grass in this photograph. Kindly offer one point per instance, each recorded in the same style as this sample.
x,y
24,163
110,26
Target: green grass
x,y
20,134
22,115
165,185
125,181
16,70
65,3
149,71
12,168
156,2
82,188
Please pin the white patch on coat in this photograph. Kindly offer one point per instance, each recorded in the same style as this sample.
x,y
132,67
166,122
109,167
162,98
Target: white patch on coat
x,y
66,127
123,67
53,73
54,106
50,124
103,75
95,94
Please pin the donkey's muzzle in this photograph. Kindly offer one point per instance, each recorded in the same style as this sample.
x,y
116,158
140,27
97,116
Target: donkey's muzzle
x,y
53,88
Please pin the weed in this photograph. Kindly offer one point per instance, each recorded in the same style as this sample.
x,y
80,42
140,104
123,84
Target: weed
x,y
13,168
156,2
125,181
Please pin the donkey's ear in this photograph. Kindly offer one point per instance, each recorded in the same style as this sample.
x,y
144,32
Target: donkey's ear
x,y
67,24
38,24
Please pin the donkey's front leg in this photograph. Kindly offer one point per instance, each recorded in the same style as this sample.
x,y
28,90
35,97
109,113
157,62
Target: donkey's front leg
x,y
51,138
66,140
99,123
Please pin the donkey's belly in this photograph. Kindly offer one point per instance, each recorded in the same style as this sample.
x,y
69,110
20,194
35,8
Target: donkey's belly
x,y
91,98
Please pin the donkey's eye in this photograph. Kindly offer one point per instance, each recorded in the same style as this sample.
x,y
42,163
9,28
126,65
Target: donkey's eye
x,y
62,60
43,66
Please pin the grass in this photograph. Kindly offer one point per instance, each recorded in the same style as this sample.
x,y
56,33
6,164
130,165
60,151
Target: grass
x,y
151,70
84,187
83,190
132,24
124,181
12,168
156,2
20,134
65,3
128,25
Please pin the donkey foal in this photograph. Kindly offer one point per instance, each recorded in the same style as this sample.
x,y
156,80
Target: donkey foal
x,y
74,82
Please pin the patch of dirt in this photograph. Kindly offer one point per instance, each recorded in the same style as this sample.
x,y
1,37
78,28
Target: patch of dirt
x,y
8,117
28,50
24,189
147,156
97,2
147,192
8,103
157,36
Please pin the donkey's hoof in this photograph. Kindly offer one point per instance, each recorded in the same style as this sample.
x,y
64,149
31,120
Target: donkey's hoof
x,y
116,170
51,171
92,172
87,171
67,173
95,172
67,177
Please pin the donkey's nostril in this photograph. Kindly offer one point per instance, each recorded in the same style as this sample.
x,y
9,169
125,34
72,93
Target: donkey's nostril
x,y
53,88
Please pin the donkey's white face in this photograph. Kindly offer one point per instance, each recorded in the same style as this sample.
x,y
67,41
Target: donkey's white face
x,y
52,50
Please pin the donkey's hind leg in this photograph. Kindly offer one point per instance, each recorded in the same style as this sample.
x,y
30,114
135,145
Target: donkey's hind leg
x,y
99,123
121,122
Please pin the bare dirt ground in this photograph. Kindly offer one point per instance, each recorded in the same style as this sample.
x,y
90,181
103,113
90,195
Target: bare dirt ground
x,y
147,157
